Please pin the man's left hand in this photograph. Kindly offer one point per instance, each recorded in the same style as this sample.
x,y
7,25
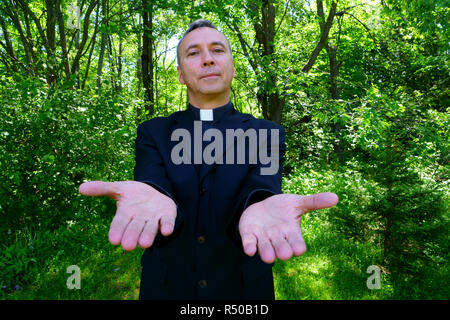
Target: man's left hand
x,y
272,226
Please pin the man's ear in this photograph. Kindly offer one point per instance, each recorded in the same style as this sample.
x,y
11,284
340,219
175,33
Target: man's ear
x,y
180,76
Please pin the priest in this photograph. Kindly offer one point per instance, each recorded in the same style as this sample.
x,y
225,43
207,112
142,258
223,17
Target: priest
x,y
211,230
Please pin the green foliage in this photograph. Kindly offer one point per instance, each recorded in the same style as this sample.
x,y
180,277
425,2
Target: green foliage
x,y
53,139
405,214
16,265
382,146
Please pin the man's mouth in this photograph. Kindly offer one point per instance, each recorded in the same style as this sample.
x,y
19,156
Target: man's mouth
x,y
210,76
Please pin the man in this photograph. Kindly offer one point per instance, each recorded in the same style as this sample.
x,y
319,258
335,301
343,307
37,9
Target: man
x,y
212,216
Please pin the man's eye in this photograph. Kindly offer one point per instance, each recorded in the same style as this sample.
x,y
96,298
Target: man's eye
x,y
192,53
218,50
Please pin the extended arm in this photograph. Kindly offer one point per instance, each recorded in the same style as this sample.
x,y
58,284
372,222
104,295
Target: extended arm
x,y
269,221
145,205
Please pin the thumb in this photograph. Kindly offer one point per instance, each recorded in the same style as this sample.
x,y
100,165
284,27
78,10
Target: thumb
x,y
319,201
99,188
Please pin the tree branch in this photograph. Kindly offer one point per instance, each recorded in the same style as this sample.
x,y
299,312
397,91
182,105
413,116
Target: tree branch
x,y
91,7
282,18
37,23
323,38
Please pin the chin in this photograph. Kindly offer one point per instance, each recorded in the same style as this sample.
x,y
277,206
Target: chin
x,y
212,90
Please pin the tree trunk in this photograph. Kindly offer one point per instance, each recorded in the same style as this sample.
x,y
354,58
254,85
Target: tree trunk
x,y
147,57
334,69
111,58
335,95
29,12
91,50
263,18
102,48
119,57
138,58
29,36
82,44
265,35
76,69
62,37
9,47
119,65
13,14
166,111
50,28
139,67
325,30
334,72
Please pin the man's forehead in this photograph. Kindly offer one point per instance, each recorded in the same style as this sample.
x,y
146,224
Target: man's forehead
x,y
203,35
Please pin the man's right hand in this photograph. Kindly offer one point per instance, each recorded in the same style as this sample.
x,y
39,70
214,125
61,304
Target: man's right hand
x,y
141,211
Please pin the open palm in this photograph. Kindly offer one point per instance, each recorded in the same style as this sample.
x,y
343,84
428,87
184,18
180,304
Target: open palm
x,y
272,226
141,211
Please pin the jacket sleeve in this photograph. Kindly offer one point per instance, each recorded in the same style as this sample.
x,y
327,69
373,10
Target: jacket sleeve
x,y
258,186
150,169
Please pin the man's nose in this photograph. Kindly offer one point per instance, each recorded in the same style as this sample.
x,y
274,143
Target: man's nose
x,y
208,59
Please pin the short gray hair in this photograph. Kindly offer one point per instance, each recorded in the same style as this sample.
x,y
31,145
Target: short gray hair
x,y
195,25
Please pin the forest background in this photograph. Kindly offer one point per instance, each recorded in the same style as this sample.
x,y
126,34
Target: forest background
x,y
361,87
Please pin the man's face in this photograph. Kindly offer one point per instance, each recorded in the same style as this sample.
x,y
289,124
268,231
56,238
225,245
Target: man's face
x,y
206,65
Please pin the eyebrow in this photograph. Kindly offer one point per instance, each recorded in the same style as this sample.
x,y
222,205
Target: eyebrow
x,y
214,43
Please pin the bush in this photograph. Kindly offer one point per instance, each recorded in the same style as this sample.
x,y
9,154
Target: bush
x,y
53,139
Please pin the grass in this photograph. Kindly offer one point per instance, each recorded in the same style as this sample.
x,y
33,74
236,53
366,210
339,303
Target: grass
x,y
119,281
331,269
115,279
107,272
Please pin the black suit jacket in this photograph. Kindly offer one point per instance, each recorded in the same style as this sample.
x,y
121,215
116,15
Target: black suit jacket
x,y
203,258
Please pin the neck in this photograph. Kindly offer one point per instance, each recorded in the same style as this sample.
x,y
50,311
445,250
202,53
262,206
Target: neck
x,y
209,102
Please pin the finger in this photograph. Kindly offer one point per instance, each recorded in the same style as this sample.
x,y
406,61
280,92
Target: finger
x,y
118,226
295,240
167,223
266,251
282,248
319,201
249,243
132,234
148,233
99,188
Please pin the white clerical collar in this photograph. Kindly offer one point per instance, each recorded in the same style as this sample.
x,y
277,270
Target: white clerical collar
x,y
206,114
